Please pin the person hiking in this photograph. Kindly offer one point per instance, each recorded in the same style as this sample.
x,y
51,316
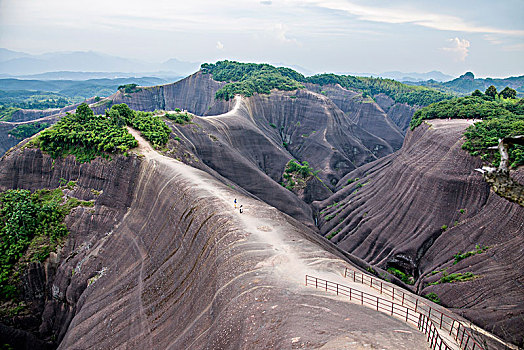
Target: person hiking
x,y
241,210
235,201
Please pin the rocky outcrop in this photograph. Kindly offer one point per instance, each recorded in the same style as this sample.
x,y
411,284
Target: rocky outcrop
x,y
251,144
399,113
335,130
163,261
414,210
368,115
195,93
52,290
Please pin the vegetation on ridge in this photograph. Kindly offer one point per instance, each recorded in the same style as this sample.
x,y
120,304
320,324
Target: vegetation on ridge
x,y
87,136
24,131
249,78
498,117
296,174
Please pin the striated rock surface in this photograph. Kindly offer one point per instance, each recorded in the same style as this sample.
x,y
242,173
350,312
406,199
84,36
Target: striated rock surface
x,y
251,144
394,216
164,261
334,130
399,113
195,93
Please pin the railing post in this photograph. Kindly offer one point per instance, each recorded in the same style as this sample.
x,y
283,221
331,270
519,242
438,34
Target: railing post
x,y
362,278
458,330
467,341
462,338
316,282
441,316
393,294
377,303
306,280
350,293
392,308
452,325
361,298
346,272
416,304
326,285
337,293
403,298
380,287
429,314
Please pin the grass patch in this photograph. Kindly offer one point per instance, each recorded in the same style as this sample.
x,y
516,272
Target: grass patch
x,y
433,297
403,276
461,256
296,174
455,277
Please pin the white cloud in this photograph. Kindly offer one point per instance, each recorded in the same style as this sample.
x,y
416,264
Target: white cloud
x,y
220,46
408,15
514,47
459,48
280,32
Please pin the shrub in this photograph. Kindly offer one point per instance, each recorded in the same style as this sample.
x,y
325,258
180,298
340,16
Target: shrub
x,y
31,221
461,256
179,117
433,297
403,276
24,131
455,277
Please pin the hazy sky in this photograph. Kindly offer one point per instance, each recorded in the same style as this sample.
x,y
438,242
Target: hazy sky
x,y
453,36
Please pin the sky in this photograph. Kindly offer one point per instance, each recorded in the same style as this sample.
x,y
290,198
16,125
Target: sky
x,y
452,36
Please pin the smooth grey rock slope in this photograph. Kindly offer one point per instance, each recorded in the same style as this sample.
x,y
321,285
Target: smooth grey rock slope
x,y
164,261
393,215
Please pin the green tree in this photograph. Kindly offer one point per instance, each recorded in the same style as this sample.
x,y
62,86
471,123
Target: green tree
x,y
477,93
491,91
508,93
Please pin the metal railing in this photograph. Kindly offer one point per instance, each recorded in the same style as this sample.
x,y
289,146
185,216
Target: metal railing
x,y
403,312
441,320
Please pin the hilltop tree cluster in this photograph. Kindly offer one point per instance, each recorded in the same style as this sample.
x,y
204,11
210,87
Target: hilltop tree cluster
x,y
249,78
87,136
499,118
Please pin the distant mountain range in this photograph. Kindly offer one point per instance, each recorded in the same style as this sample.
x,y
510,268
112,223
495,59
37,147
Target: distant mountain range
x,y
407,77
467,83
13,63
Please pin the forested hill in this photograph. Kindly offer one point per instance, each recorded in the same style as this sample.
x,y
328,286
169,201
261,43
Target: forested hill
x,y
250,78
467,83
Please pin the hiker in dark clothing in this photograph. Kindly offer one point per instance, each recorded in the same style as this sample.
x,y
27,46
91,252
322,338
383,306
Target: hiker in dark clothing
x,y
241,210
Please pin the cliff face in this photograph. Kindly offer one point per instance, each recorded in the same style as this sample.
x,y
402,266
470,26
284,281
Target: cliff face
x,y
164,261
334,130
399,113
51,290
251,145
393,216
195,93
